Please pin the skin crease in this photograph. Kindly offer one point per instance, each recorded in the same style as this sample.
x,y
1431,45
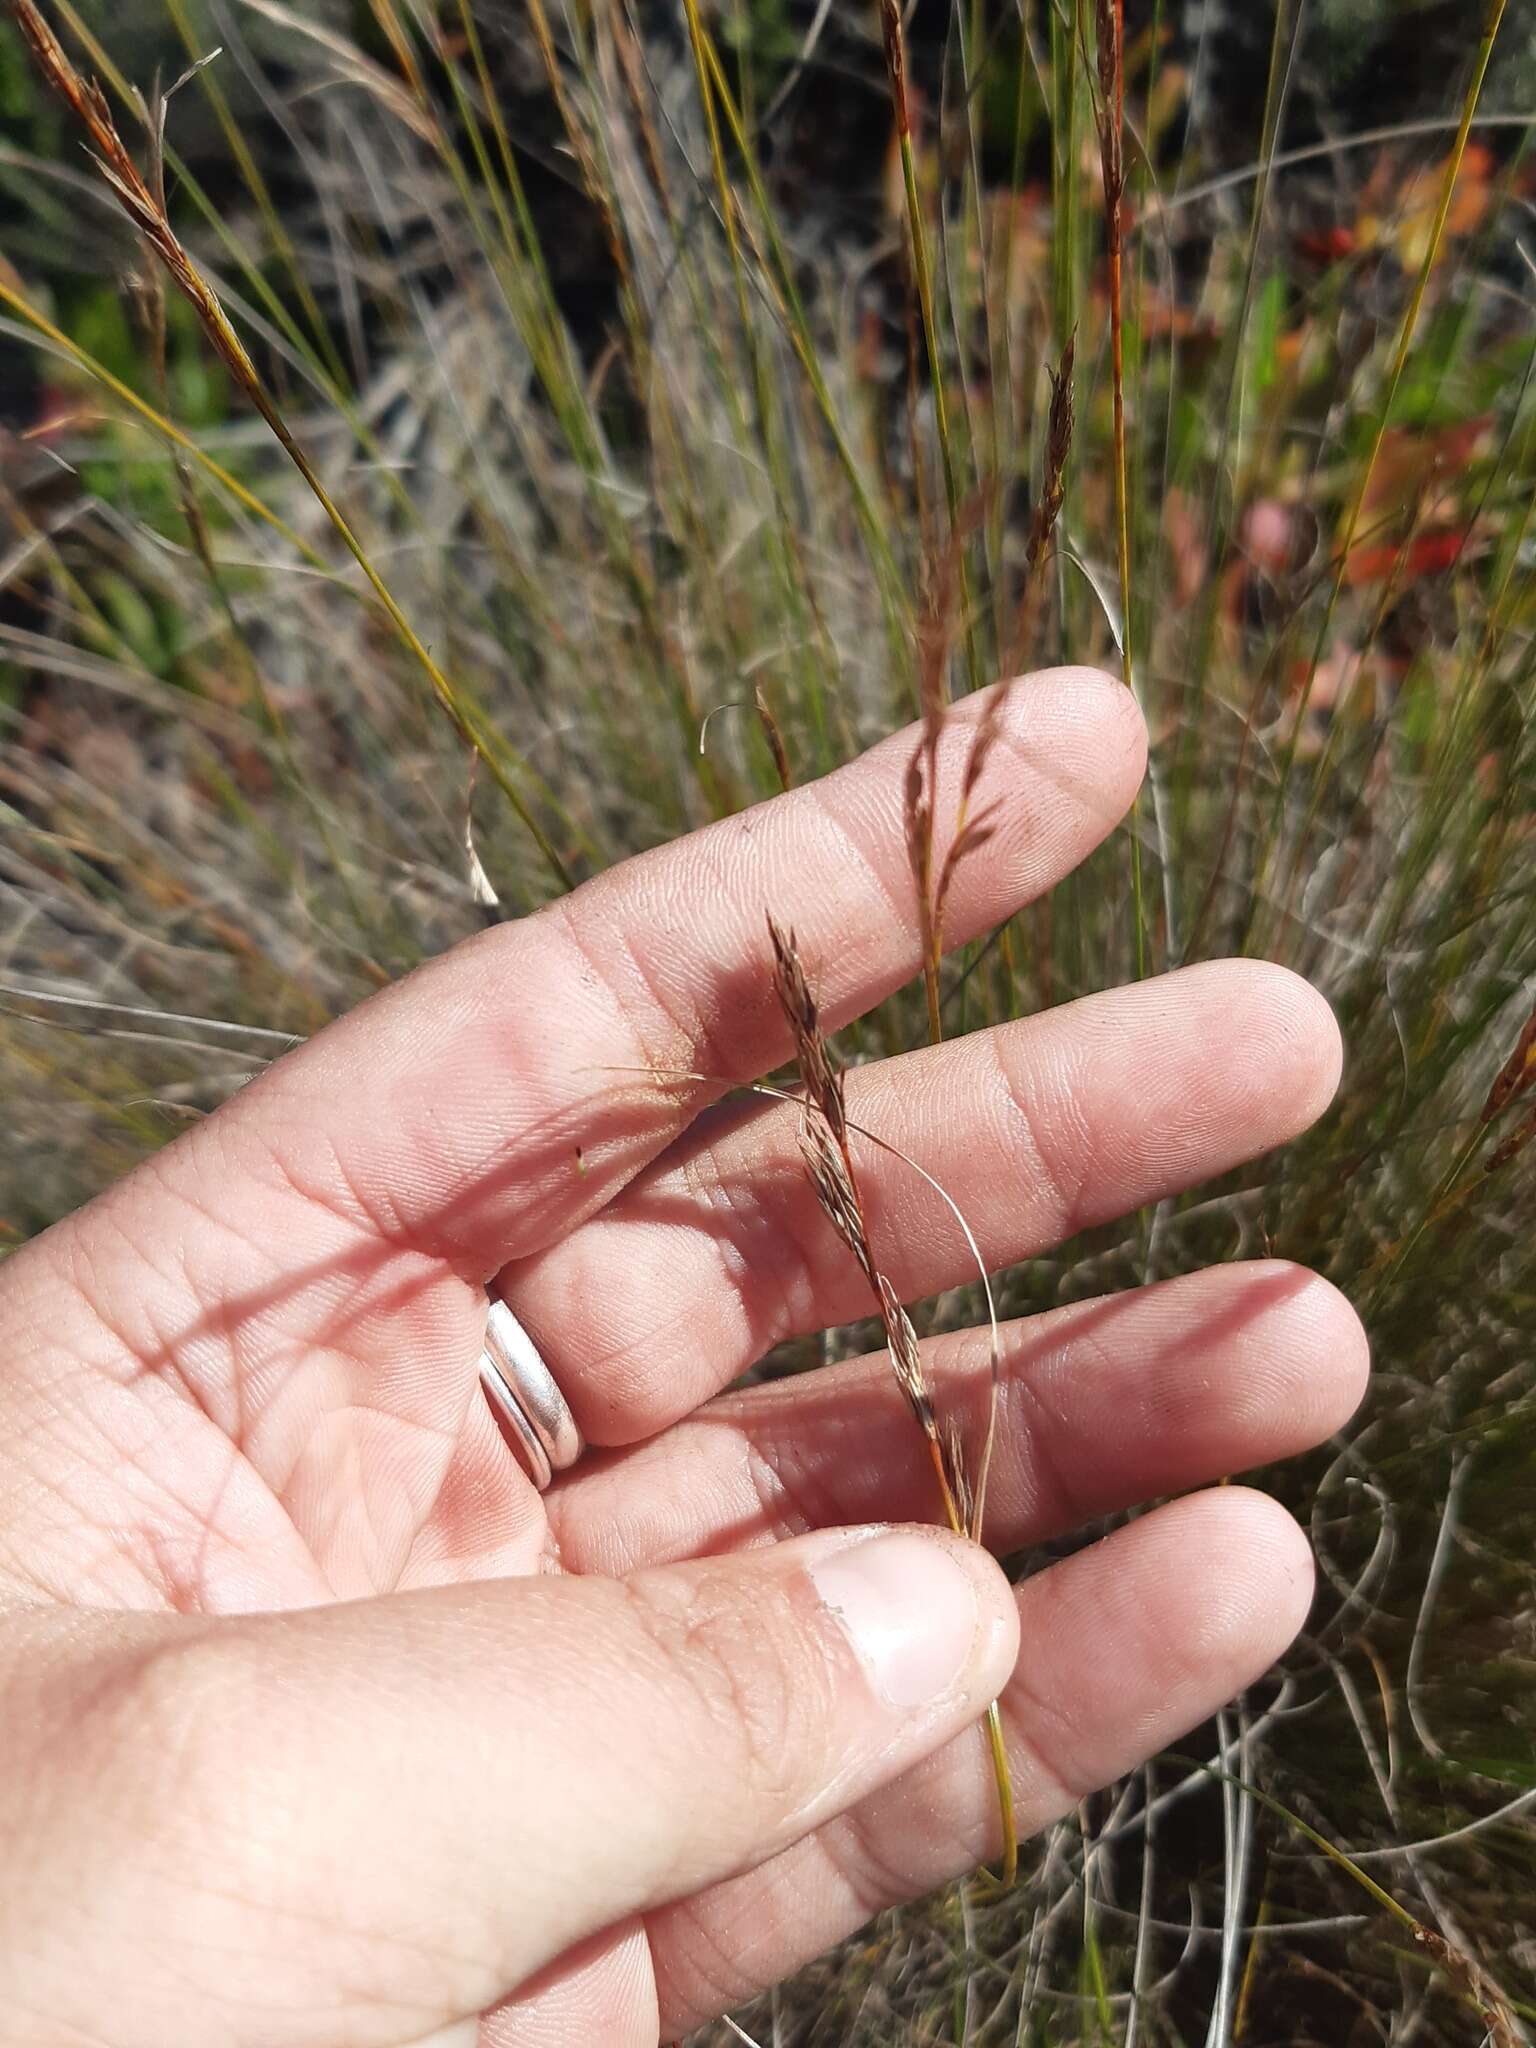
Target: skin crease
x,y
323,1729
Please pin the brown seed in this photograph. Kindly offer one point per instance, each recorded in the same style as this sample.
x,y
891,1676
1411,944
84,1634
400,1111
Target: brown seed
x,y
1516,1075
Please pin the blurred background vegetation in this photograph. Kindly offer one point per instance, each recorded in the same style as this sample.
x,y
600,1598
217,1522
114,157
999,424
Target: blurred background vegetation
x,y
649,387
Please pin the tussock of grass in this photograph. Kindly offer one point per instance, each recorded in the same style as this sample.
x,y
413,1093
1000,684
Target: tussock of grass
x,y
632,423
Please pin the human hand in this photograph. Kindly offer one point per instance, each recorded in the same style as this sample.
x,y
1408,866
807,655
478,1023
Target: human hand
x,y
322,1727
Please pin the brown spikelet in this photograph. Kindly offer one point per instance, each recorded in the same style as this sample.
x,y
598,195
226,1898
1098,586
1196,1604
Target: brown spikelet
x,y
819,1069
87,100
1516,1075
896,62
1058,447
1467,1974
1060,428
829,1167
1110,36
952,1447
774,737
835,1191
133,193
906,1358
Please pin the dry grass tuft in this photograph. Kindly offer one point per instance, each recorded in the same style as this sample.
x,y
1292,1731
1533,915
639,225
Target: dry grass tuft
x,y
1516,1075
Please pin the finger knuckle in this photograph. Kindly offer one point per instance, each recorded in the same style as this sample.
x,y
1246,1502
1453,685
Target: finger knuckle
x,y
133,1778
167,1733
756,1692
1052,1160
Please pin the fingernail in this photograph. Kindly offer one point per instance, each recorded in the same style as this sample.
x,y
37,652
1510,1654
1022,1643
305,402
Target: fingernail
x,y
908,1606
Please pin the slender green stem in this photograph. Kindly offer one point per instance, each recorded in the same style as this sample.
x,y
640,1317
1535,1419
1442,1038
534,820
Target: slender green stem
x,y
922,271
1112,115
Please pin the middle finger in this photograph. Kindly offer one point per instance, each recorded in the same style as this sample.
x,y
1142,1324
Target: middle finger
x,y
1036,1130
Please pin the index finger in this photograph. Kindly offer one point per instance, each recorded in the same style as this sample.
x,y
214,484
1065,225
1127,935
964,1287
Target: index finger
x,y
478,1109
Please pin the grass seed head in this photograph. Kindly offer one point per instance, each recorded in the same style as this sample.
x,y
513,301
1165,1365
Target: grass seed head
x,y
1516,1075
774,737
835,1189
829,1167
86,100
896,62
1111,55
819,1069
1058,448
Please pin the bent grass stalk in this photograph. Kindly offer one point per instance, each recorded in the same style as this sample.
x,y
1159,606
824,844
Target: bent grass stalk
x,y
942,1439
824,1133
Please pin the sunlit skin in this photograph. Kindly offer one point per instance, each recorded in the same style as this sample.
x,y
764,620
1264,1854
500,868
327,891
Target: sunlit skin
x,y
322,1727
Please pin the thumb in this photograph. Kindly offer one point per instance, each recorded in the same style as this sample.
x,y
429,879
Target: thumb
x,y
417,1801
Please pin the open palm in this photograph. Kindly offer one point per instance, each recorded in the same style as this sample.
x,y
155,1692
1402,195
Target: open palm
x,y
325,1728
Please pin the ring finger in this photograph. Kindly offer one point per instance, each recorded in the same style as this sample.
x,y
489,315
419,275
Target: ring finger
x,y
1102,1405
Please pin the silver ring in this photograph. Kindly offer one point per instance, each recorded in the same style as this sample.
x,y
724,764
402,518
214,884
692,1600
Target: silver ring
x,y
533,1413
